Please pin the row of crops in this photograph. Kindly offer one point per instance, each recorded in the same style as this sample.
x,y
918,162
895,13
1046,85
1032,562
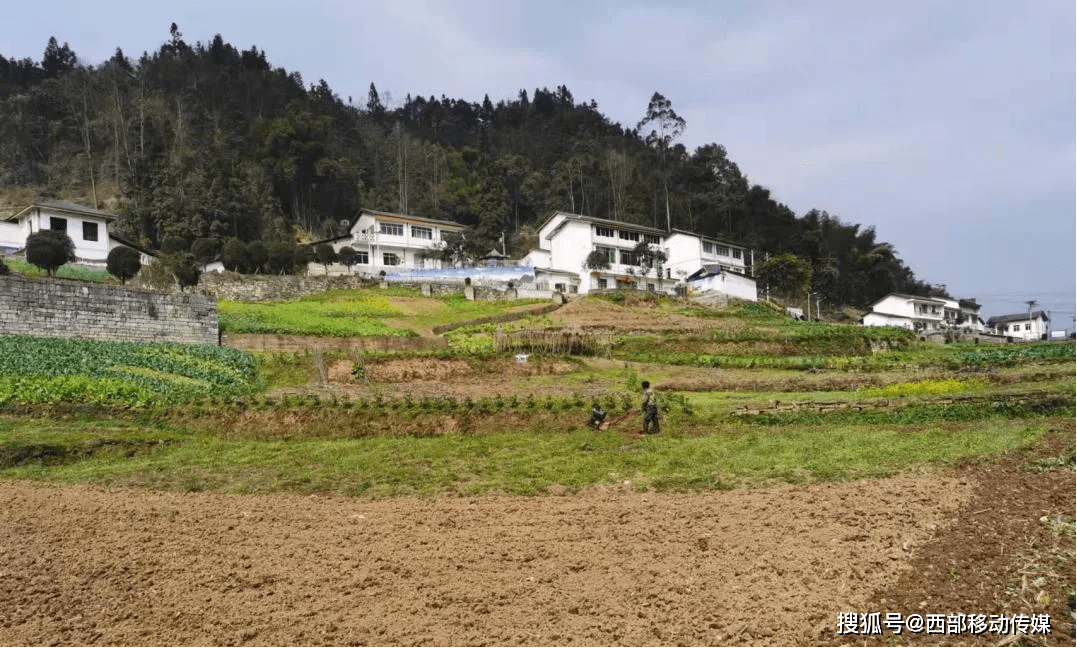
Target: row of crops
x,y
1013,354
59,370
798,354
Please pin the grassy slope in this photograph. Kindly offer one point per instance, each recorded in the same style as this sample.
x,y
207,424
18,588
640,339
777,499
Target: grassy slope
x,y
356,313
510,462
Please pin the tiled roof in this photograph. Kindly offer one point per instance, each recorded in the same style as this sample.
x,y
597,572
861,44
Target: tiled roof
x,y
1017,317
62,206
707,238
133,246
605,221
421,219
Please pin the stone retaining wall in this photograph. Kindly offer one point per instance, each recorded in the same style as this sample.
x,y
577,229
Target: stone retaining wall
x,y
77,309
257,288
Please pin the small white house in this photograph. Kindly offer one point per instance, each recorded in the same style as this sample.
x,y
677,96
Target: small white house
x,y
390,242
716,279
1021,326
915,313
87,227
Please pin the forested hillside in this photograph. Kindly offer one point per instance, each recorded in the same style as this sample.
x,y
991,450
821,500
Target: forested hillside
x,y
208,141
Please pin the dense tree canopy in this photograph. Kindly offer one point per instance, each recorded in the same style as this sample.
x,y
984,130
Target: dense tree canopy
x,y
204,141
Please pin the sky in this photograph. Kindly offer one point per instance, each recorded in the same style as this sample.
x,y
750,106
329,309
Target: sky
x,y
949,127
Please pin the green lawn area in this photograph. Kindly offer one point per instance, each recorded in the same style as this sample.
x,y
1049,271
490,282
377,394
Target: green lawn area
x,y
64,272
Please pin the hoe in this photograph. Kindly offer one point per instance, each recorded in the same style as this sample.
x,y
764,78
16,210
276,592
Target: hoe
x,y
607,424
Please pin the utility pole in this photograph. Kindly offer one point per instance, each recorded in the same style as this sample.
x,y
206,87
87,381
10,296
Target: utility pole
x,y
1031,303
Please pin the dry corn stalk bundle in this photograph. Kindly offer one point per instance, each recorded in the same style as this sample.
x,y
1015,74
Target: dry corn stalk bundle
x,y
554,342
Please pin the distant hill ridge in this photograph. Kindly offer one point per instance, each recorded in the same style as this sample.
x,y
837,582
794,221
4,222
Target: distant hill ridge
x,y
205,140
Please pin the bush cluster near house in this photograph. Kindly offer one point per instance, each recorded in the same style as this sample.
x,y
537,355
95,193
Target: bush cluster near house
x,y
58,370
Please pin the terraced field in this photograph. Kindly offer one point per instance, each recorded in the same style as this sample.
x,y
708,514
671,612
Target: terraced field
x,y
453,494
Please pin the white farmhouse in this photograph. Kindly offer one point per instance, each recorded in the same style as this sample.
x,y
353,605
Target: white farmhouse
x,y
908,311
1021,326
87,227
566,240
391,242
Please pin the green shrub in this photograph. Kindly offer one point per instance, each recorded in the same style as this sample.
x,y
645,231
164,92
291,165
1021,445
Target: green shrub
x,y
49,249
123,263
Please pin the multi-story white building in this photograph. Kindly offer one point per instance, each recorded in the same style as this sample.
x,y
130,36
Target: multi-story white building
x,y
968,317
908,311
87,227
925,314
566,240
391,242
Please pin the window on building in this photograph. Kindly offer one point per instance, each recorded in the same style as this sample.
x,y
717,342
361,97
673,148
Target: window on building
x,y
559,287
392,229
602,284
708,248
362,256
422,232
627,258
736,253
89,231
390,259
604,231
611,254
58,224
652,239
1028,327
650,287
628,236
723,250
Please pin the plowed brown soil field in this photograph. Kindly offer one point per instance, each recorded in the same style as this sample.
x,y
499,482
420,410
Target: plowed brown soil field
x,y
83,565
